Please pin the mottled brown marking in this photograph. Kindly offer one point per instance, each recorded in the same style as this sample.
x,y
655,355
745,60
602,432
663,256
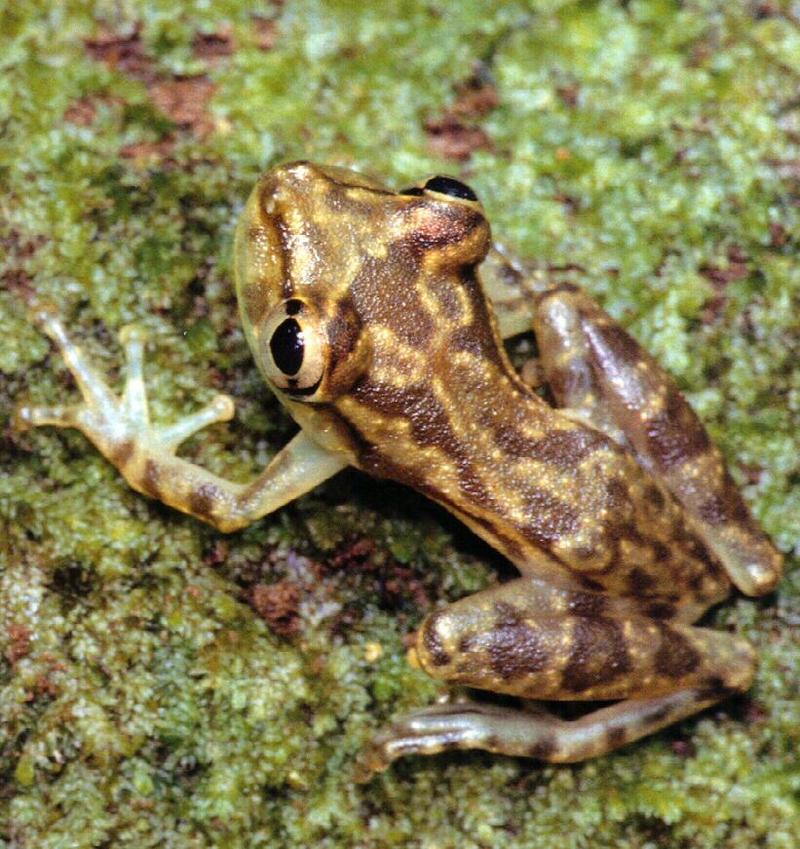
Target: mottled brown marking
x,y
569,383
655,497
616,494
203,499
420,406
621,529
675,434
661,553
656,715
443,224
660,610
544,749
616,736
475,339
676,657
471,484
122,453
511,440
715,688
621,344
430,425
150,479
432,639
564,449
599,654
373,460
592,605
640,582
696,582
723,506
590,583
506,613
549,518
443,289
343,329
385,288
344,363
516,649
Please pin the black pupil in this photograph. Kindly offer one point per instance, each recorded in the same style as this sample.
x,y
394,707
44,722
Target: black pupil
x,y
451,187
287,346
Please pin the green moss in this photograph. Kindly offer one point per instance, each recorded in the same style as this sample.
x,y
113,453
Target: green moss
x,y
652,147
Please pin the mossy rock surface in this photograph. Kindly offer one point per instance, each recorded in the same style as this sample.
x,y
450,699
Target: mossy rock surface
x,y
164,685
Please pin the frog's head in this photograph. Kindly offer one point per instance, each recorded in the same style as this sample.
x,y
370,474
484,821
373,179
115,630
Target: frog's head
x,y
330,266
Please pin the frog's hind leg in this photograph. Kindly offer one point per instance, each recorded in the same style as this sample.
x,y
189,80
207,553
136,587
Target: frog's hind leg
x,y
530,731
564,645
601,375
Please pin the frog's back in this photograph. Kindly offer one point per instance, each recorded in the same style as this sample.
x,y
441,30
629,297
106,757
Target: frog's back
x,y
442,410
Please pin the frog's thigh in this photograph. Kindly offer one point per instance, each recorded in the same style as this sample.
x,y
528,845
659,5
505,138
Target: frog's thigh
x,y
120,427
506,640
598,371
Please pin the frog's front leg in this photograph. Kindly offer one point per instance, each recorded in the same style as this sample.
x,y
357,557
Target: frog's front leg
x,y
561,645
120,427
600,374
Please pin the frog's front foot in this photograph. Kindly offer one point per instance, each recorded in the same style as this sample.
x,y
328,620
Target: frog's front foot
x,y
119,425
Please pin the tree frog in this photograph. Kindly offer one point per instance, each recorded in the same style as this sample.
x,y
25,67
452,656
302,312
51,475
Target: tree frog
x,y
366,314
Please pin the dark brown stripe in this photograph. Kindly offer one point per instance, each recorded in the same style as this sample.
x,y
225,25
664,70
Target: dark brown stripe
x,y
616,736
655,497
676,657
599,654
150,479
549,520
449,225
203,499
122,453
675,434
640,582
544,749
725,505
592,605
432,640
516,649
384,293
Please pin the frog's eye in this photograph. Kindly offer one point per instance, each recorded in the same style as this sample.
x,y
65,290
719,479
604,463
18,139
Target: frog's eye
x,y
449,186
296,349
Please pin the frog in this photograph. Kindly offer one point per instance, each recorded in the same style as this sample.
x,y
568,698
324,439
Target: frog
x,y
378,319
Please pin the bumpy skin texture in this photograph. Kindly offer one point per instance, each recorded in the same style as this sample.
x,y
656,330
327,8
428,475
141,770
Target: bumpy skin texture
x,y
365,313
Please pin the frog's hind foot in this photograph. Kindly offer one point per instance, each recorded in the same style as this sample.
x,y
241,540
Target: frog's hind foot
x,y
529,731
116,424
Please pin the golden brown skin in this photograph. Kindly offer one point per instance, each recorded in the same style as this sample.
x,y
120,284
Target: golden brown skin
x,y
366,315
